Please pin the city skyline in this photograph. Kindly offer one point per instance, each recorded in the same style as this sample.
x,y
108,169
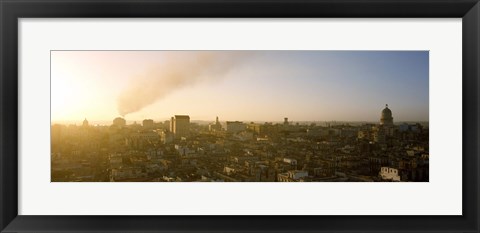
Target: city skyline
x,y
261,86
222,121
179,151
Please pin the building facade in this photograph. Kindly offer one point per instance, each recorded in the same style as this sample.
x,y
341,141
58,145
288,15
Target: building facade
x,y
180,125
235,126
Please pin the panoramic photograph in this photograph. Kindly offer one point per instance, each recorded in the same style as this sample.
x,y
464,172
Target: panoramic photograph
x,y
239,116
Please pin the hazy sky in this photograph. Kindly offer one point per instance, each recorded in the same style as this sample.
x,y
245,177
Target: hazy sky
x,y
239,85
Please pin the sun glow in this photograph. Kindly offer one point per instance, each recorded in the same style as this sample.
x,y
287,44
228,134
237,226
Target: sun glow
x,y
66,97
236,85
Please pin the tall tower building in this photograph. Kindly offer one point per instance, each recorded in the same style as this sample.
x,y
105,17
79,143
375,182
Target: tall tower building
x,y
386,119
172,124
215,127
181,126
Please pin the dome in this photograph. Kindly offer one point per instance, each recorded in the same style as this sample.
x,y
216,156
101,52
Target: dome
x,y
386,112
386,118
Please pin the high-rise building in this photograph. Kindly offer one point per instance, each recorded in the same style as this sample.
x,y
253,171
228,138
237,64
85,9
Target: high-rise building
x,y
147,123
172,124
181,126
386,119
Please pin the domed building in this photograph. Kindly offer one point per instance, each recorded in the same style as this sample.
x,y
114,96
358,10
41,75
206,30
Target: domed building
x,y
85,123
386,119
119,122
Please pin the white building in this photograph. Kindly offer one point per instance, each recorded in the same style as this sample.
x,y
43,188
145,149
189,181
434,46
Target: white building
x,y
290,161
292,176
387,173
228,170
166,137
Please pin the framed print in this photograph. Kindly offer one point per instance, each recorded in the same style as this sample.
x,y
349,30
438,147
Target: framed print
x,y
239,116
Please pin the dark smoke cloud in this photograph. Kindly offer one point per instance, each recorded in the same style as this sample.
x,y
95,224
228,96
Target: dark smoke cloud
x,y
177,70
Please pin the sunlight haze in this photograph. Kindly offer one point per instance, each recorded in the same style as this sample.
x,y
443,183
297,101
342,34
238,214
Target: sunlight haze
x,y
239,85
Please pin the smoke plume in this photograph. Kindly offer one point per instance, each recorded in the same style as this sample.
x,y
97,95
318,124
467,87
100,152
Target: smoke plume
x,y
177,70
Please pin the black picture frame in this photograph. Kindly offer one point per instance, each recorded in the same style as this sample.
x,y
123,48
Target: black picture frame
x,y
11,11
